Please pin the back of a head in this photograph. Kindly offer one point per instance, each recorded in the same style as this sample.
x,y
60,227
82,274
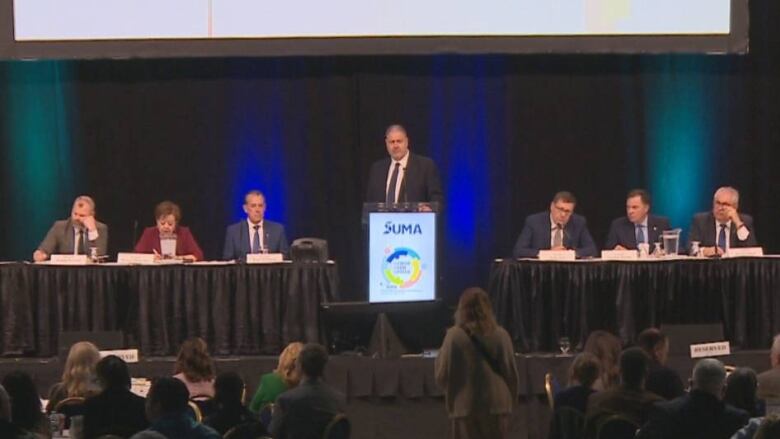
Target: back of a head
x,y
194,360
475,311
741,387
286,366
585,369
168,395
312,360
633,367
80,368
113,373
709,375
228,390
649,340
26,410
606,347
769,428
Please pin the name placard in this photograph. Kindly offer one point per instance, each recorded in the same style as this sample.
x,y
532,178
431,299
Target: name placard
x,y
128,355
557,255
264,258
715,349
135,258
744,252
70,259
619,255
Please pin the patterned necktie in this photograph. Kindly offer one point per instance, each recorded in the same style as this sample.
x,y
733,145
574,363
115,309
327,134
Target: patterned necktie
x,y
558,238
722,238
640,233
393,181
256,239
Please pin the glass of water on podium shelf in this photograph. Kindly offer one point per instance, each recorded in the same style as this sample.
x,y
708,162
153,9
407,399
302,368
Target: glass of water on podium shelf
x,y
564,345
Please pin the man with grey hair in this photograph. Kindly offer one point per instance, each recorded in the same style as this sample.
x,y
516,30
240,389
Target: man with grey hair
x,y
75,235
724,227
769,381
701,414
402,176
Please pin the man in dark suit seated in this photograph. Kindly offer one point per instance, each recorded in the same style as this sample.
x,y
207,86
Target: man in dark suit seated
x,y
557,229
724,227
116,410
304,411
629,399
403,177
638,226
75,235
699,415
254,234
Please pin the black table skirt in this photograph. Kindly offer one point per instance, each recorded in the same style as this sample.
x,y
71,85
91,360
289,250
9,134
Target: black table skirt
x,y
238,309
539,302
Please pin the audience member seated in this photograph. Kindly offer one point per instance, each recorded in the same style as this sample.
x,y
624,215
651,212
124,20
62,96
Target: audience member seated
x,y
741,387
26,410
7,429
304,412
769,381
115,410
606,347
769,428
629,399
195,368
78,377
584,371
280,380
168,412
700,414
661,380
229,410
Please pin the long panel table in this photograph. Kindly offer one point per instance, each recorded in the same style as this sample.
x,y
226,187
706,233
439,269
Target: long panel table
x,y
540,301
238,309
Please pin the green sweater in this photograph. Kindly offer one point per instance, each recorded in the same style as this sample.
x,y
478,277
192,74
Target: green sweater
x,y
271,386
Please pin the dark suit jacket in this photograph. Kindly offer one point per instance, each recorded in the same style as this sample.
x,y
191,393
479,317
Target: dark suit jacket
x,y
304,411
634,404
60,239
663,381
536,236
114,411
769,384
237,240
185,242
697,415
703,230
623,232
421,181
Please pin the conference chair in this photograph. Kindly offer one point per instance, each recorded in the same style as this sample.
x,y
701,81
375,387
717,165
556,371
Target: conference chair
x,y
551,387
205,404
567,423
617,427
70,407
266,413
195,411
247,430
338,428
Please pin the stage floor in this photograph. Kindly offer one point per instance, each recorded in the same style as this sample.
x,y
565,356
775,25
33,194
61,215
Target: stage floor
x,y
389,398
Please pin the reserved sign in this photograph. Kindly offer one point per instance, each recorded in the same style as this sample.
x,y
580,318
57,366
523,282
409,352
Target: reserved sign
x,y
717,349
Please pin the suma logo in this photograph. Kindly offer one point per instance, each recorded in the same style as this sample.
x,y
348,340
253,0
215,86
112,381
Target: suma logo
x,y
402,229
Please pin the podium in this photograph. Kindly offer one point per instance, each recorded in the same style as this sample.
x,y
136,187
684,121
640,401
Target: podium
x,y
402,251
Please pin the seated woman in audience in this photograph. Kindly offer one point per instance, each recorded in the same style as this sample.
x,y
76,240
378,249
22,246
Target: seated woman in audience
x,y
607,348
277,382
741,388
115,410
168,215
584,371
78,378
229,410
26,410
195,368
661,380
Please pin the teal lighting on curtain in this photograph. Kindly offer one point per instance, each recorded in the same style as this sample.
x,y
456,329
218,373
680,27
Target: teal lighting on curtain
x,y
679,147
39,169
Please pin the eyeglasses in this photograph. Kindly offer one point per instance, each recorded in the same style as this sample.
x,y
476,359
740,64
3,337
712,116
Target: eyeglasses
x,y
563,209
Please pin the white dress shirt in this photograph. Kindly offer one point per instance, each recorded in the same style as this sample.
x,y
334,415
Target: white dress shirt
x,y
742,233
553,229
91,235
251,233
401,173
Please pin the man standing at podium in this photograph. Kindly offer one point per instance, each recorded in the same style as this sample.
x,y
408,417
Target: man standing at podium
x,y
556,229
638,226
75,235
403,176
724,227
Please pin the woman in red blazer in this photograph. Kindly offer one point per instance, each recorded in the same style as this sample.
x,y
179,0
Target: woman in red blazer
x,y
168,216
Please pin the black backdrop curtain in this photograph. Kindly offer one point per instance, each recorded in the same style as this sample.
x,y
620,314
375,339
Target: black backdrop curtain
x,y
506,132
